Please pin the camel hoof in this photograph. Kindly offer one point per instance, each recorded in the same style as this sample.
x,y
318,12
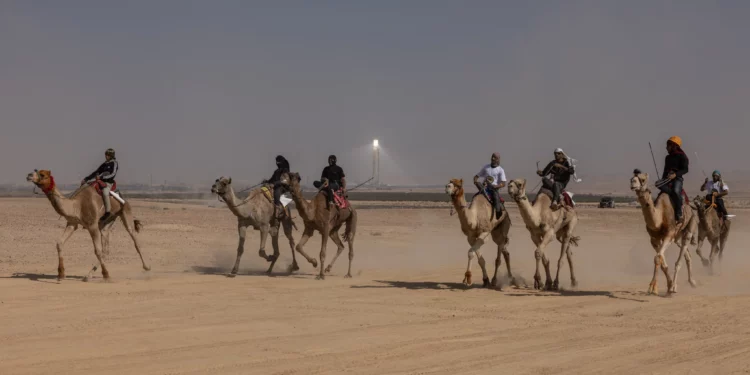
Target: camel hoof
x,y
548,285
146,268
494,283
467,278
320,277
85,279
328,269
555,285
232,275
693,283
348,276
537,284
486,282
574,283
295,266
314,263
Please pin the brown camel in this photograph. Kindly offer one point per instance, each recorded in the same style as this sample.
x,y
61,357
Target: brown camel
x,y
256,211
544,225
710,226
663,230
317,217
477,222
84,210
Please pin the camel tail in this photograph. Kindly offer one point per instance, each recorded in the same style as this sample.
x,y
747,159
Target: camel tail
x,y
137,225
351,227
574,240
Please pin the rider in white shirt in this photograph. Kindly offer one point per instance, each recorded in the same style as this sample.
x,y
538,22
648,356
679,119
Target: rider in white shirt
x,y
494,175
718,189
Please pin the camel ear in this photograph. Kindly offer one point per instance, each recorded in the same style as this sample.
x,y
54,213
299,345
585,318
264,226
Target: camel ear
x,y
461,181
230,180
523,184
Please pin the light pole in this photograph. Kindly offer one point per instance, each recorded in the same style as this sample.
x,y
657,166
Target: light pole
x,y
375,162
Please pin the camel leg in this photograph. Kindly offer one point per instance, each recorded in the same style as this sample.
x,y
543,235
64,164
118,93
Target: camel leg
x,y
712,256
334,235
689,263
287,226
722,242
563,251
264,229
542,257
677,266
659,262
308,232
323,245
69,230
501,239
569,253
106,231
242,231
275,244
698,251
96,238
130,225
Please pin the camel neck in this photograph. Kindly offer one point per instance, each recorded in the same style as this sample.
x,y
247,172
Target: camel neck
x,y
235,205
305,208
459,204
63,206
528,211
649,210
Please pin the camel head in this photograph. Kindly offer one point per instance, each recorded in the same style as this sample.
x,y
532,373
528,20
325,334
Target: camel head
x,y
517,189
292,179
639,181
221,186
699,204
454,186
42,179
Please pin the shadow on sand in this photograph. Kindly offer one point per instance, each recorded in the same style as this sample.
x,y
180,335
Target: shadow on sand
x,y
40,277
508,291
222,271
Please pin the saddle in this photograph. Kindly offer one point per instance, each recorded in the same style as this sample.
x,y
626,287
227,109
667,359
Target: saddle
x,y
340,200
267,192
99,185
567,199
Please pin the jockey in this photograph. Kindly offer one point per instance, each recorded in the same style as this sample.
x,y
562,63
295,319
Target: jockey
x,y
675,166
561,169
717,190
335,177
282,166
105,173
494,172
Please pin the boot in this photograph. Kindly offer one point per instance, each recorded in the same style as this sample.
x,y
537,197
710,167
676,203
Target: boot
x,y
280,212
105,217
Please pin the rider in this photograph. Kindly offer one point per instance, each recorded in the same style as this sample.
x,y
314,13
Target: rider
x,y
561,169
675,166
282,166
496,172
335,177
105,173
718,189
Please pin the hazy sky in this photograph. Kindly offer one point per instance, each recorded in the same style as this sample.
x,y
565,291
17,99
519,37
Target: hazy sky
x,y
191,90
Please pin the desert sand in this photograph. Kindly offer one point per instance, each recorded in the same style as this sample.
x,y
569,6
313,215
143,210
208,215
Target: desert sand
x,y
404,312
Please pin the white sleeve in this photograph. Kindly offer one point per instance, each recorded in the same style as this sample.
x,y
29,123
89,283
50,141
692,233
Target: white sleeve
x,y
502,175
725,187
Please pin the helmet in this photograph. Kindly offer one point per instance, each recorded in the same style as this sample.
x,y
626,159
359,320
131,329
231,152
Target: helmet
x,y
110,152
676,140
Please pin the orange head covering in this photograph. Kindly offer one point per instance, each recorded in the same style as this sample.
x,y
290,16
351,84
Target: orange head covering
x,y
676,140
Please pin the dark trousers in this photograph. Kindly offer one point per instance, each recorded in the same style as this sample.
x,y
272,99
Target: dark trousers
x,y
332,186
555,187
278,189
495,195
720,208
674,189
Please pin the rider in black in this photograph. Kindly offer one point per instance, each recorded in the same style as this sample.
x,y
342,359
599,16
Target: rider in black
x,y
282,166
561,169
335,177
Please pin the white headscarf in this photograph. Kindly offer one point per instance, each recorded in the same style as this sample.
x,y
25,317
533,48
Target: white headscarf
x,y
573,162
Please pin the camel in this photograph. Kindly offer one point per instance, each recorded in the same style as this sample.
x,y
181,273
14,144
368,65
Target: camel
x,y
709,226
477,222
84,210
255,211
544,225
317,217
663,230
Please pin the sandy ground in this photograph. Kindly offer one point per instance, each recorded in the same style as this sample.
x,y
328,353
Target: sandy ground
x,y
404,312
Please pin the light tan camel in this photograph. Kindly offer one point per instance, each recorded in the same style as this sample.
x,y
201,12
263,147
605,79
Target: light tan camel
x,y
317,217
84,210
663,230
255,211
544,225
477,222
710,226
